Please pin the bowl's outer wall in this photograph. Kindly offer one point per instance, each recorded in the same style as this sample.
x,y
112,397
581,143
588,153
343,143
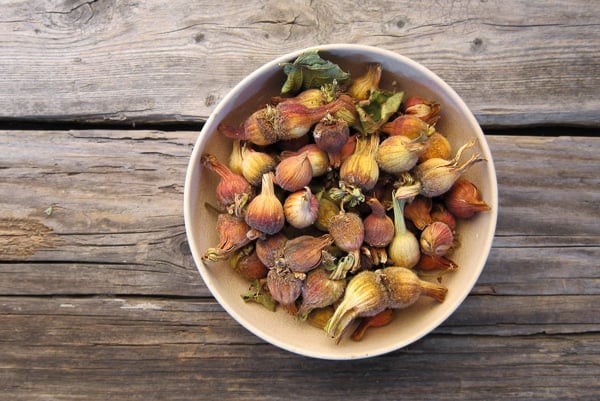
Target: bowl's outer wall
x,y
476,235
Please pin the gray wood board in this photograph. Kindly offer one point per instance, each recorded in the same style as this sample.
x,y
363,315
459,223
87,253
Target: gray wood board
x,y
514,62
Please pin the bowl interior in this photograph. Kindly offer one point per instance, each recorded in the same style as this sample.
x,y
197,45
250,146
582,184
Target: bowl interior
x,y
279,328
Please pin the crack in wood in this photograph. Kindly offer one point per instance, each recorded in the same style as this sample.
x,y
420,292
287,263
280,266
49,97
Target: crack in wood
x,y
77,7
183,28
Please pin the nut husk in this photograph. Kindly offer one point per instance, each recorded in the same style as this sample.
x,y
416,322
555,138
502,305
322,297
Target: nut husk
x,y
233,235
347,230
301,208
318,291
256,163
265,211
365,295
405,287
361,169
419,211
285,286
233,191
464,199
248,265
294,172
305,252
404,249
378,226
397,154
436,239
270,249
438,175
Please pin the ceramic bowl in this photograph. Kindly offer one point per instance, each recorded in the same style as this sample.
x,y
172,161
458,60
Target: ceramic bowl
x,y
279,328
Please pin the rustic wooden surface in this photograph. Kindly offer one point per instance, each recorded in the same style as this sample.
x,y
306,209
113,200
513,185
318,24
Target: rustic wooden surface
x,y
514,62
100,105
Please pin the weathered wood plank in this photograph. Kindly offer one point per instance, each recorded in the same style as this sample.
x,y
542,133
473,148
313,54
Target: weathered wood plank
x,y
106,206
479,315
537,368
144,348
512,61
116,223
527,270
547,185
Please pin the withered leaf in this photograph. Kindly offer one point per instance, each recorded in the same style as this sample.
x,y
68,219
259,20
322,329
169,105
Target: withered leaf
x,y
309,70
377,110
257,294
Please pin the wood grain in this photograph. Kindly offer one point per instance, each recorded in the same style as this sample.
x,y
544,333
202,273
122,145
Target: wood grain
x,y
127,61
139,349
99,295
125,234
117,304
115,200
117,308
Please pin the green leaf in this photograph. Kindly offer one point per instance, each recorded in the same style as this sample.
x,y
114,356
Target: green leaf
x,y
293,83
257,294
309,70
377,110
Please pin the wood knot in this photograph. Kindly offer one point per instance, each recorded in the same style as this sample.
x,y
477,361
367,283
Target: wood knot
x,y
199,37
210,100
477,45
88,14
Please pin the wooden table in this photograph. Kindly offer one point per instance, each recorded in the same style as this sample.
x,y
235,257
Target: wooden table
x,y
100,104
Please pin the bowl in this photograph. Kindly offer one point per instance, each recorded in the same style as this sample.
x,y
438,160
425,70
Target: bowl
x,y
279,328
